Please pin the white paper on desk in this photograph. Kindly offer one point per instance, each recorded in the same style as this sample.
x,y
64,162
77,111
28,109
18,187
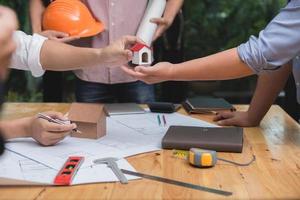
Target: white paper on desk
x,y
147,124
144,130
127,135
56,156
17,170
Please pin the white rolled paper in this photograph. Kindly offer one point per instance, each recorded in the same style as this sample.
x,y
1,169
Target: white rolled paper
x,y
147,29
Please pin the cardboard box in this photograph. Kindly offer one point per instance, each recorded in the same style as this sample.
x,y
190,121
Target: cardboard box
x,y
90,119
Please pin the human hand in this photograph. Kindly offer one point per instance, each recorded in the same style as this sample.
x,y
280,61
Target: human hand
x,y
242,119
118,53
158,73
49,133
163,24
8,24
58,36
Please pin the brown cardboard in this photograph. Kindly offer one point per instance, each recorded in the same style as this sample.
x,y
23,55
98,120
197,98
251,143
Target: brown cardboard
x,y
90,119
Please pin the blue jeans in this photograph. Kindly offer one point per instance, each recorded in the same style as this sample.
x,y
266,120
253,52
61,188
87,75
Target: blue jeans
x,y
137,92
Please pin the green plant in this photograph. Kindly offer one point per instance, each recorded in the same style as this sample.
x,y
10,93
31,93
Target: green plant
x,y
215,25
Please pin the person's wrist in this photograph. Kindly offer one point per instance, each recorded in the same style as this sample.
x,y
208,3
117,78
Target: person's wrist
x,y
252,120
27,124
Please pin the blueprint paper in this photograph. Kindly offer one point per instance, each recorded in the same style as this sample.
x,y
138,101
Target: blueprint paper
x,y
127,135
17,170
55,156
144,129
21,171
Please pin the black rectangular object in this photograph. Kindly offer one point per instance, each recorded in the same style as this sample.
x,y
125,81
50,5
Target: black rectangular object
x,y
163,107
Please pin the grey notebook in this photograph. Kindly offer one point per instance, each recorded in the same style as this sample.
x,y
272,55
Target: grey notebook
x,y
123,109
228,139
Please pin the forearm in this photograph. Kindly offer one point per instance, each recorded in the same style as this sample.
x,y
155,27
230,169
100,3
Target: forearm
x,y
172,8
221,66
36,8
268,87
57,56
16,128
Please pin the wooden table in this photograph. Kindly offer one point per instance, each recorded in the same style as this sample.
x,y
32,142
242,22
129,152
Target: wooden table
x,y
274,175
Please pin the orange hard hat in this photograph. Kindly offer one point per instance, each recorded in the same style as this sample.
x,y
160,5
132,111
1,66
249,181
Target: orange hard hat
x,y
72,17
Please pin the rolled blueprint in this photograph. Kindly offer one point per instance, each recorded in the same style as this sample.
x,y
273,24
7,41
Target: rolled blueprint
x,y
147,29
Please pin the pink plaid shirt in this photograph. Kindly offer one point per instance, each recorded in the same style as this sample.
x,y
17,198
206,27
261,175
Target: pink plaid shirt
x,y
120,17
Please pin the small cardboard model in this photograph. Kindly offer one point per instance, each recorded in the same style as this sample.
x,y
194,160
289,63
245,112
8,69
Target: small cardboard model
x,y
90,119
142,54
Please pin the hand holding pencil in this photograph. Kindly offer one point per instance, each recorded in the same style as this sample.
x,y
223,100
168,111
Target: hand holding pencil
x,y
48,128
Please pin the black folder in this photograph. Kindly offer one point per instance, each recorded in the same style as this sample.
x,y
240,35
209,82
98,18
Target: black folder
x,y
222,139
206,105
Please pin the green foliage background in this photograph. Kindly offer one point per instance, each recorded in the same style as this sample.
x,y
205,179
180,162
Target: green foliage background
x,y
215,25
210,26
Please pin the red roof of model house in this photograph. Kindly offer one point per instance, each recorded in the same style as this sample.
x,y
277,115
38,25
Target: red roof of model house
x,y
138,47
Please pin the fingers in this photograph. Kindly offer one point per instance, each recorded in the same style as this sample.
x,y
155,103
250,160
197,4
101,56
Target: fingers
x,y
58,136
145,78
146,70
58,34
49,138
225,119
129,71
131,40
56,115
223,115
53,127
132,72
159,21
227,122
163,25
68,39
128,55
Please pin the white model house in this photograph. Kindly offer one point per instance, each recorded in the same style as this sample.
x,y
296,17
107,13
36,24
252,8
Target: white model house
x,y
142,54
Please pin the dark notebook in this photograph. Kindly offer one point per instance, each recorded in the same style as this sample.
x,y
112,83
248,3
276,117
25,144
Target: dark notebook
x,y
206,105
229,139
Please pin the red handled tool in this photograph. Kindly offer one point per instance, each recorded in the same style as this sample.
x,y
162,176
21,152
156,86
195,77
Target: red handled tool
x,y
67,173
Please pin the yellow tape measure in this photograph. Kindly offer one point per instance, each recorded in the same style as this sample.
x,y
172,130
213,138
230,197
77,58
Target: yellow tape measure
x,y
204,158
198,157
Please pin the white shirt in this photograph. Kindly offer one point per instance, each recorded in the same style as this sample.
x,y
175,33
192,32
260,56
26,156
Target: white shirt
x,y
27,54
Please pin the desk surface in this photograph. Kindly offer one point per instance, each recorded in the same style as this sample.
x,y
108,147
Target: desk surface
x,y
274,175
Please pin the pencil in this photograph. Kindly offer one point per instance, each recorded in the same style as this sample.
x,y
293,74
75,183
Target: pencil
x,y
158,119
165,121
